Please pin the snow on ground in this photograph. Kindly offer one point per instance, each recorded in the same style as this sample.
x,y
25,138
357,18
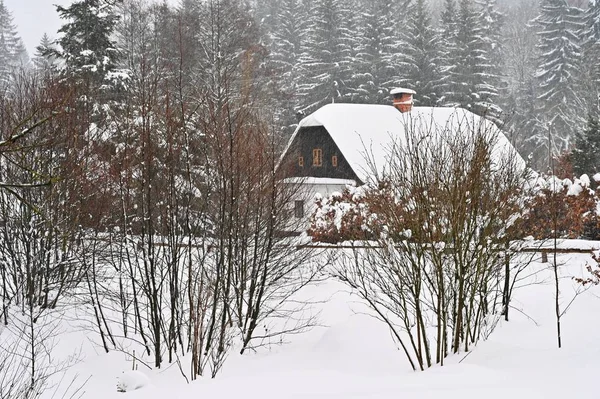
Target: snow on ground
x,y
353,356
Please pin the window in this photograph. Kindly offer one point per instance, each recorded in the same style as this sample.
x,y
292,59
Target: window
x,y
299,209
317,157
300,161
334,161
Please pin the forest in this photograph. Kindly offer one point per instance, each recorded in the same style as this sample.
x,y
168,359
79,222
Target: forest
x,y
530,66
140,177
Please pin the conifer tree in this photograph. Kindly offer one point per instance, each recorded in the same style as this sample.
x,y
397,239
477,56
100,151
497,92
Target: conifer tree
x,y
448,61
375,65
44,59
586,154
86,44
591,56
559,45
491,22
467,65
327,59
519,95
12,50
421,56
287,44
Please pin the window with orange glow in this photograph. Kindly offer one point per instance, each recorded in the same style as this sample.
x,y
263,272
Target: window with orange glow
x,y
317,157
334,161
300,161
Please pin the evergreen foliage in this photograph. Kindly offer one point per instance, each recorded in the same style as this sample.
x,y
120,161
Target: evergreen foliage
x,y
327,60
591,55
375,67
585,156
288,41
448,61
421,56
559,104
86,46
44,59
12,51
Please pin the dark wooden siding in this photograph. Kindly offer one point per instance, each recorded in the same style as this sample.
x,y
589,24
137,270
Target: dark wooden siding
x,y
308,139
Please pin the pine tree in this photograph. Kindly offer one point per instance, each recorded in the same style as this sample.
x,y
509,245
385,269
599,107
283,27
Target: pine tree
x,y
44,59
491,22
287,45
557,73
375,68
519,95
88,51
421,56
468,79
586,153
12,50
266,14
591,56
448,60
327,59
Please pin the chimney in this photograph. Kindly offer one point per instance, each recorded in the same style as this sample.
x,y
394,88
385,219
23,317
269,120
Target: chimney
x,y
403,99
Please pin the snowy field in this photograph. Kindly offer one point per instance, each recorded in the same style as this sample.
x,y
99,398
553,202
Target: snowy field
x,y
352,355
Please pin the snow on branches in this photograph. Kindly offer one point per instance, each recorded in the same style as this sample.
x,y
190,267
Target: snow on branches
x,y
357,212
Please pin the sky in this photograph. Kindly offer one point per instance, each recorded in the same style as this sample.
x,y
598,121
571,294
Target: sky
x,y
34,18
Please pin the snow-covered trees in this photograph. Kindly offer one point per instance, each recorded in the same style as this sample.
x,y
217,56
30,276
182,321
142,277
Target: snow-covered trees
x,y
471,81
186,164
375,66
519,96
420,59
448,64
12,51
559,103
327,59
585,156
591,57
288,42
86,45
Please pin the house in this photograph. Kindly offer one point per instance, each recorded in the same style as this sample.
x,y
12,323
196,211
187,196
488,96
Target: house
x,y
346,144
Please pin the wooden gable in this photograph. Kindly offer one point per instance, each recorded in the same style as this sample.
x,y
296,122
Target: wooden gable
x,y
313,153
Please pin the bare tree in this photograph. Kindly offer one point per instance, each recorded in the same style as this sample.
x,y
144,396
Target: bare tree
x,y
443,211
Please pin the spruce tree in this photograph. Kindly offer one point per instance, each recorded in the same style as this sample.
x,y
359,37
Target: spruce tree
x,y
491,22
375,64
12,51
421,56
586,153
448,54
518,98
86,44
559,45
327,59
469,80
44,59
287,45
591,55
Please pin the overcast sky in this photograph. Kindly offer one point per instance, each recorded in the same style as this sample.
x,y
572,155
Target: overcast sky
x,y
36,17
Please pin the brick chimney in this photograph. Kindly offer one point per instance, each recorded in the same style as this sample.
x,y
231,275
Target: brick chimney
x,y
403,99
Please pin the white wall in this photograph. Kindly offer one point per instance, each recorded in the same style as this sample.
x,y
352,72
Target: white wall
x,y
309,188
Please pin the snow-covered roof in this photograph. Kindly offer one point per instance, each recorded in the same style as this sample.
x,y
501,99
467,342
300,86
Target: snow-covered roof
x,y
402,90
365,133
